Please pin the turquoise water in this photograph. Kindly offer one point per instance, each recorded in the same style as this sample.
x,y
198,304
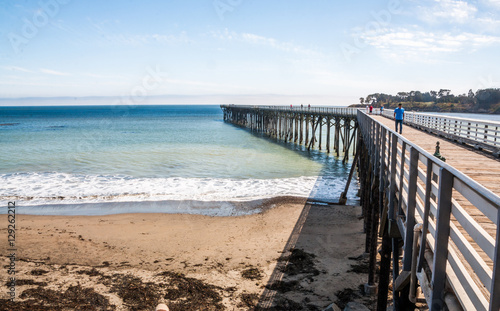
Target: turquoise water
x,y
98,154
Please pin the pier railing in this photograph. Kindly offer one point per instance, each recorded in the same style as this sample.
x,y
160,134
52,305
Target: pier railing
x,y
477,133
334,111
454,218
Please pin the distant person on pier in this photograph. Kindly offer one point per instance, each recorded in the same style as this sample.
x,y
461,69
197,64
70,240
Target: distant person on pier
x,y
309,106
381,109
399,116
291,106
371,109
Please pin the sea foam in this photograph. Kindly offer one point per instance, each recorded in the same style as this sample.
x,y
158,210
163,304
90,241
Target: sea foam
x,y
62,188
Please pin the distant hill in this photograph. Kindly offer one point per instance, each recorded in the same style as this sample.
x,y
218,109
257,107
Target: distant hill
x,y
482,101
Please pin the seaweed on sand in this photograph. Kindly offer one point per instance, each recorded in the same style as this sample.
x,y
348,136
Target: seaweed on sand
x,y
185,293
299,262
74,298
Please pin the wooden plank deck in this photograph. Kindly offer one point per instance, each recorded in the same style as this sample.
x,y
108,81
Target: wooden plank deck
x,y
481,167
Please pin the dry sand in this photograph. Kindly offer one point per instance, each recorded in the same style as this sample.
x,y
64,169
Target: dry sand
x,y
129,261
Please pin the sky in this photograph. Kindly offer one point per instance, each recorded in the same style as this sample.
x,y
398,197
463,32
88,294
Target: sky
x,y
339,50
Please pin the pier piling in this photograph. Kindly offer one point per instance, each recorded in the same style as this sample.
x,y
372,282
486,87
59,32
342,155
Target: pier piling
x,y
300,126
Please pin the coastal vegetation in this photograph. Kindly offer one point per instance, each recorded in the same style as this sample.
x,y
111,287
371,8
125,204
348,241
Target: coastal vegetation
x,y
482,101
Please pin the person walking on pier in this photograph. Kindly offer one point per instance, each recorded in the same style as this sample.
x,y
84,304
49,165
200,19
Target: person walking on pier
x,y
399,115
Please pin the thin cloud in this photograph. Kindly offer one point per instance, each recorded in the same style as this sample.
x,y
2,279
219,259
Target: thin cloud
x,y
146,39
54,72
106,31
101,76
493,3
448,11
254,39
410,44
488,23
15,68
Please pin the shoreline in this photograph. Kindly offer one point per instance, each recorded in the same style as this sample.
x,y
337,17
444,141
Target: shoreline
x,y
228,261
172,207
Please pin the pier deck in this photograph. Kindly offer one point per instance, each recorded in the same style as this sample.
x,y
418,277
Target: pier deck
x,y
477,165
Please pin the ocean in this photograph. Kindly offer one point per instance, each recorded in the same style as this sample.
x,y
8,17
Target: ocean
x,y
97,160
473,116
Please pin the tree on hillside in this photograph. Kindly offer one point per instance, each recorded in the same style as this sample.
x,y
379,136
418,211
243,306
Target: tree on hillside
x,y
427,97
403,95
443,95
361,100
486,99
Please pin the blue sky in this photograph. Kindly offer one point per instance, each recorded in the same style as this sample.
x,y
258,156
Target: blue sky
x,y
327,48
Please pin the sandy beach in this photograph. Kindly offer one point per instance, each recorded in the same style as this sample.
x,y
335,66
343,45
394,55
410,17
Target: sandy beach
x,y
292,256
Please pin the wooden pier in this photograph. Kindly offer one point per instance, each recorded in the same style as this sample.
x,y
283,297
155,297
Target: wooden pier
x,y
331,129
438,221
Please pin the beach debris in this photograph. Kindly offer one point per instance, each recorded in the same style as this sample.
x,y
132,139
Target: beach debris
x,y
332,307
23,282
38,272
91,272
355,306
252,274
284,304
134,292
73,298
362,265
345,296
186,293
248,300
284,286
299,262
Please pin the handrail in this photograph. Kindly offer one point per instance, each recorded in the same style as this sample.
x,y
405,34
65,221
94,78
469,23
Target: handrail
x,y
429,191
478,133
297,109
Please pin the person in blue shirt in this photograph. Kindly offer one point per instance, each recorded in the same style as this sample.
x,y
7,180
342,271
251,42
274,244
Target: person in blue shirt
x,y
399,115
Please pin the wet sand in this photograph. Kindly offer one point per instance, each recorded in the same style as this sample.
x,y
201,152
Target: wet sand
x,y
291,255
